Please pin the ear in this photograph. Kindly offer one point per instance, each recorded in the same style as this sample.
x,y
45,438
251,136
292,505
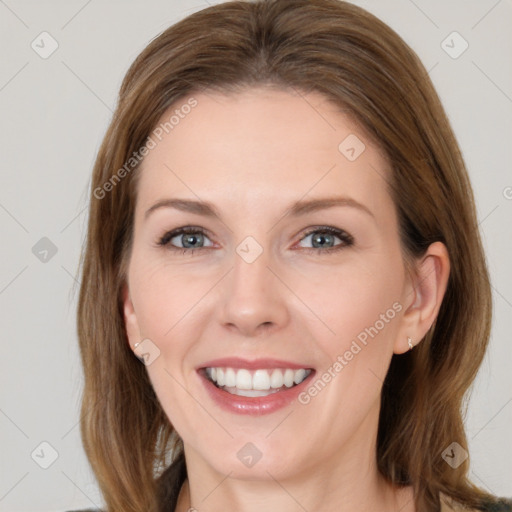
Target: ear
x,y
130,318
423,296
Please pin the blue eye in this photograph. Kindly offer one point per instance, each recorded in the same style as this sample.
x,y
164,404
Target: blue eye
x,y
193,238
323,238
190,238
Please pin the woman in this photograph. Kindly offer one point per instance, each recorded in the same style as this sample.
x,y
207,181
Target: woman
x,y
283,232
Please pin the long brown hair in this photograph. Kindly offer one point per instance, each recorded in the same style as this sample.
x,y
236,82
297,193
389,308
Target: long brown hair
x,y
358,62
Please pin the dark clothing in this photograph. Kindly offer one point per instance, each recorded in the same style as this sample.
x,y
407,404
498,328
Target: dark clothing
x,y
177,473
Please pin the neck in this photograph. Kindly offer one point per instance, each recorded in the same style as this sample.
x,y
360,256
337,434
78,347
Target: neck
x,y
244,496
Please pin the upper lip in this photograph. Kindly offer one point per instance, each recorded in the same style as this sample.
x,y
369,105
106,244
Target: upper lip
x,y
254,364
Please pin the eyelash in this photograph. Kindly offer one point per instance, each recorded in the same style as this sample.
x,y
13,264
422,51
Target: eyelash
x,y
347,239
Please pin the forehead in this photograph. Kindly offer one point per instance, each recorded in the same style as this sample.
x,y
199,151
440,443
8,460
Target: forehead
x,y
261,143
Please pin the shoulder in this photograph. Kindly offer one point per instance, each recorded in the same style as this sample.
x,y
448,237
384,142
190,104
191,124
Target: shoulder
x,y
497,505
501,505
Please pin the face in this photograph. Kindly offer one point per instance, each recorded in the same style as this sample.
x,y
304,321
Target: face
x,y
295,302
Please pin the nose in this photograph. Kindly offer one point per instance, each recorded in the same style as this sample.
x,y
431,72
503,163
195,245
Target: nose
x,y
254,298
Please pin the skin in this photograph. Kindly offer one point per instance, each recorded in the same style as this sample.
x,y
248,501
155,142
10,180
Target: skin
x,y
252,154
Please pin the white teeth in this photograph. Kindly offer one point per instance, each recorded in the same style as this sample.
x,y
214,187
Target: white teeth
x,y
243,379
230,377
276,380
249,392
288,378
259,382
299,376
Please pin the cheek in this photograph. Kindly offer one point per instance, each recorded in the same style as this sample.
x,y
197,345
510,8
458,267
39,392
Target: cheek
x,y
165,300
170,388
165,297
360,312
357,302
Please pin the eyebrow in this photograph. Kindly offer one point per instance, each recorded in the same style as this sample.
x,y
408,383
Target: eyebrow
x,y
301,207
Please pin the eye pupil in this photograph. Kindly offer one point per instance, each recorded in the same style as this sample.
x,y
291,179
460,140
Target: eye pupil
x,y
189,238
320,239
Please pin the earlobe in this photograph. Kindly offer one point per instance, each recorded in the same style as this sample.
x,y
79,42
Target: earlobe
x,y
424,297
130,318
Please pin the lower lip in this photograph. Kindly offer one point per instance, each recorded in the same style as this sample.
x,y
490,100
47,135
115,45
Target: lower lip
x,y
257,405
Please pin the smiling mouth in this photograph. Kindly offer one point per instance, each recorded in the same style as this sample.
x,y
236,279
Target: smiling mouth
x,y
255,383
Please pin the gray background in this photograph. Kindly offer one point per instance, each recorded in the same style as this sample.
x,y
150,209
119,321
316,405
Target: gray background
x,y
54,113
